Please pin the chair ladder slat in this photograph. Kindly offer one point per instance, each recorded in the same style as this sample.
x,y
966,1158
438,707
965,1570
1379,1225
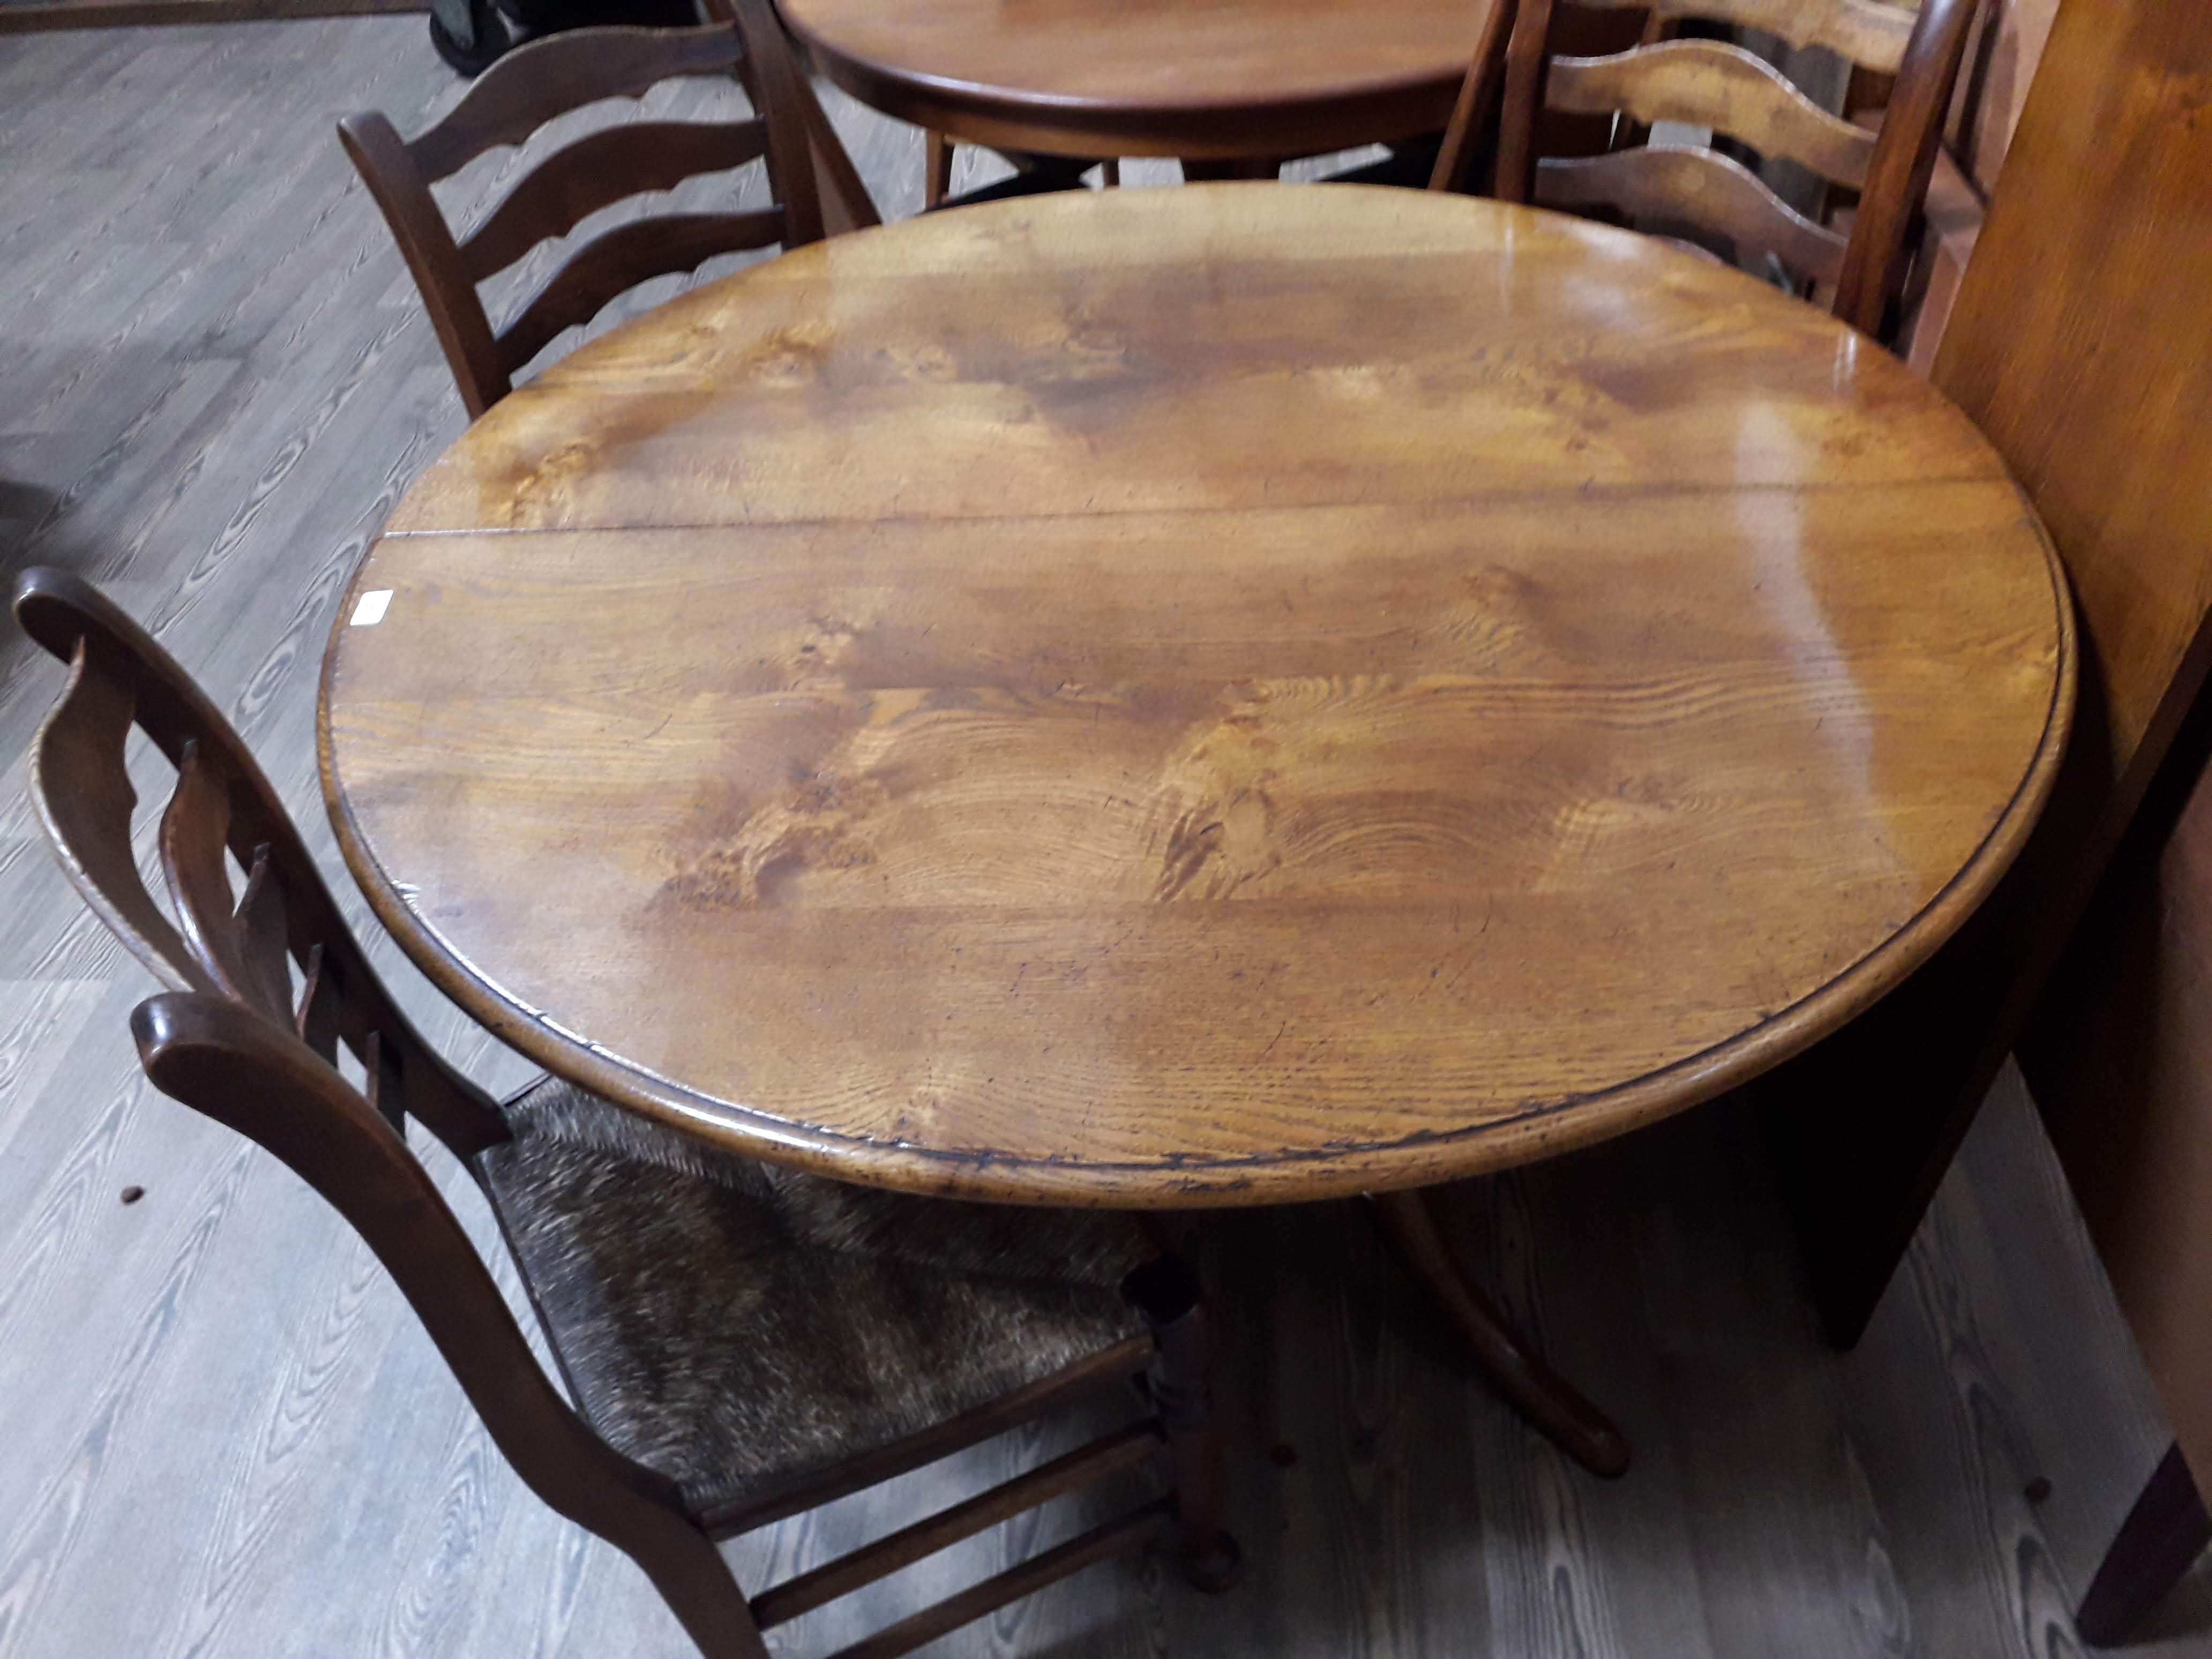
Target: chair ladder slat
x,y
549,78
598,170
1709,84
195,843
1024,1578
262,931
1710,191
81,788
610,265
316,1023
380,1064
848,1572
1868,32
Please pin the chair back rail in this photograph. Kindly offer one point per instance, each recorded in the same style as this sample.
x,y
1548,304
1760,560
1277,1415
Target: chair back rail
x,y
1873,34
1736,94
223,807
547,78
1715,192
600,169
517,96
1710,83
619,260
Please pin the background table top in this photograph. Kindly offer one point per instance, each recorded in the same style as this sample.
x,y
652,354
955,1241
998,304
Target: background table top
x,y
1223,695
1199,78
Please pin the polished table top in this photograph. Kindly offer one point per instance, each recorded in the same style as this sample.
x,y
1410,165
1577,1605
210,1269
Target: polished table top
x,y
1207,696
1200,78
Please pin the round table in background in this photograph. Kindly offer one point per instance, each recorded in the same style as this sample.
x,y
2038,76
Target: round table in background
x,y
1203,79
1227,695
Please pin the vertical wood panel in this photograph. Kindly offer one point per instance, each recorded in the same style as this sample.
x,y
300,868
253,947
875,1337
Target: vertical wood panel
x,y
2080,344
2075,346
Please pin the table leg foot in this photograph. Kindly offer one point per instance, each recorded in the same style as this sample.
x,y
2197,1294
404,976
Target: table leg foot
x,y
1532,1388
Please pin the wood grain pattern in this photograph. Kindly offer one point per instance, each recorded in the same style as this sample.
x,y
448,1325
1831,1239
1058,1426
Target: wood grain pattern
x,y
1204,78
1278,784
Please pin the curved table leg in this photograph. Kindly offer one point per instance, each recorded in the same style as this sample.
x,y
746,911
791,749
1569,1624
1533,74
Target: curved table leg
x,y
1530,1386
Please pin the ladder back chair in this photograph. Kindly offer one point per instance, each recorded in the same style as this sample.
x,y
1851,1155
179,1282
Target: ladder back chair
x,y
529,87
1715,85
740,1342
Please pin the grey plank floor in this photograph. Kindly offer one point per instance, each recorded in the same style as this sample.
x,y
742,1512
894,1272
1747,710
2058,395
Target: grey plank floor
x,y
224,1435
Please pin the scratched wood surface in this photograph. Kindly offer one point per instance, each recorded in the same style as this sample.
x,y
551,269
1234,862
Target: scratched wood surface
x,y
1230,694
226,1439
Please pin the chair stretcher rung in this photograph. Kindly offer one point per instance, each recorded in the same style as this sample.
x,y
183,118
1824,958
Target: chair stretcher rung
x,y
1079,1468
1025,1579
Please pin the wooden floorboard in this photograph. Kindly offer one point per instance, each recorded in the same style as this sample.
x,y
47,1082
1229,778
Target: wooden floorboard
x,y
225,1435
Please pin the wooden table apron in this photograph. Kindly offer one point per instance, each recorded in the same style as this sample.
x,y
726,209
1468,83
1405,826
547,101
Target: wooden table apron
x,y
1222,695
1202,79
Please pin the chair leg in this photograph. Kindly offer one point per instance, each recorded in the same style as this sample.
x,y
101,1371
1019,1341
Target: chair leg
x,y
1167,1292
1109,173
700,1590
1530,1386
937,175
2164,1533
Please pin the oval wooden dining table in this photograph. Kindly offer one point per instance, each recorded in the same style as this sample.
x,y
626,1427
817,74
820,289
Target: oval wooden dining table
x,y
1230,696
1200,79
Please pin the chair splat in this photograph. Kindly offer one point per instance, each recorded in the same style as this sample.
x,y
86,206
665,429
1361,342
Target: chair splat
x,y
551,78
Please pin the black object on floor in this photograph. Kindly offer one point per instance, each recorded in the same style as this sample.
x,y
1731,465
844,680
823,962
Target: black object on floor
x,y
471,35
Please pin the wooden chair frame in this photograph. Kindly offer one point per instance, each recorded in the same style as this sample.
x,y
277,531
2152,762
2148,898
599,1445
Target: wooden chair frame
x,y
550,77
232,1039
1709,83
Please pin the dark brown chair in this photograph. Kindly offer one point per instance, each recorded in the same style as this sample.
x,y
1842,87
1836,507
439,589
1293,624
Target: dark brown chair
x,y
740,1342
1713,85
529,87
